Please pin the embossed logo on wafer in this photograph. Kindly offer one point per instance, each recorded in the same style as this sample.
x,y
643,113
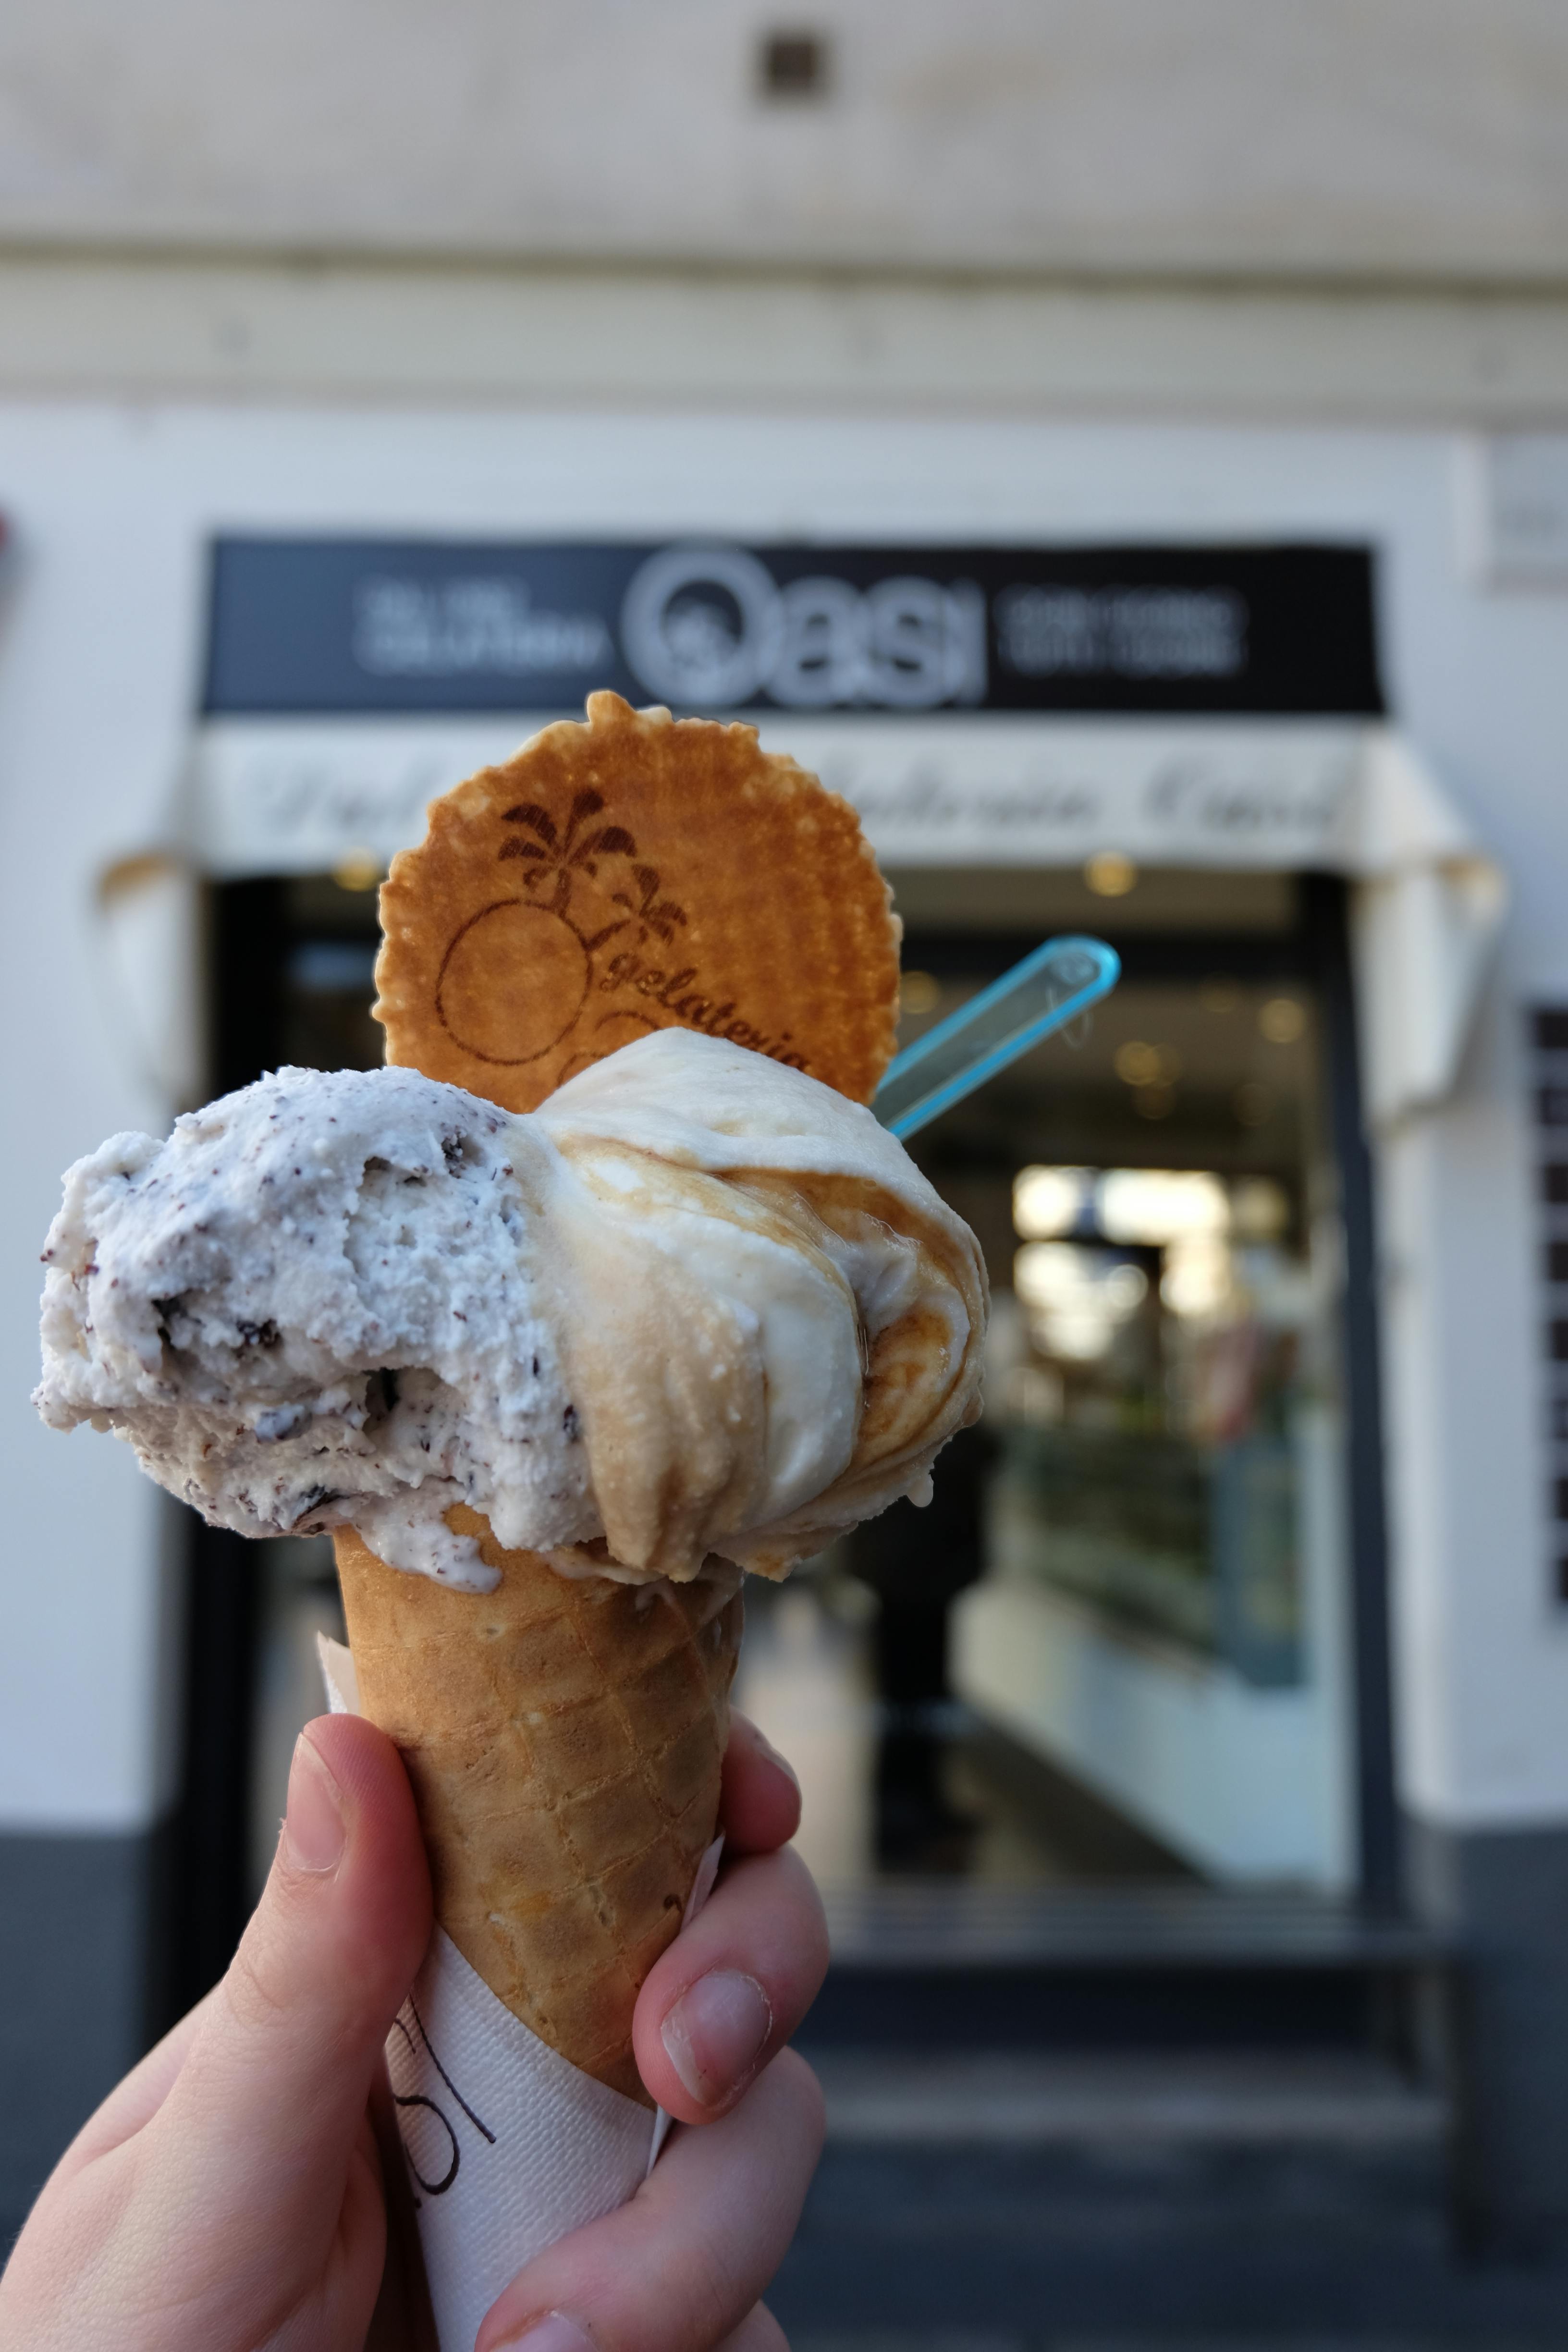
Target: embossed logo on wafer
x,y
627,875
584,886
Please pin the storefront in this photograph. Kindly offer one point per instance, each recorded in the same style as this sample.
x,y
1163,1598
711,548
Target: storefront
x,y
1178,1597
1266,1593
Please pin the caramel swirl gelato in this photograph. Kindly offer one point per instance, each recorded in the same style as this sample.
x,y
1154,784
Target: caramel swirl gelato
x,y
696,1308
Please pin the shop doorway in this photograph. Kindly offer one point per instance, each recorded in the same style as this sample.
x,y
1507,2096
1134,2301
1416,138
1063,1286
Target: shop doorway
x,y
1138,1641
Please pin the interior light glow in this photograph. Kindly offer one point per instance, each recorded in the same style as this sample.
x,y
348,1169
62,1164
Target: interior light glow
x,y
360,869
1156,1206
1076,1298
1049,1273
1197,1282
1048,1202
1126,1288
1282,1020
1110,874
1141,1065
1259,1210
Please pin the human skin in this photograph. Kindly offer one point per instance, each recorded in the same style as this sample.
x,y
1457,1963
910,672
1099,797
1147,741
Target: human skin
x,y
240,2191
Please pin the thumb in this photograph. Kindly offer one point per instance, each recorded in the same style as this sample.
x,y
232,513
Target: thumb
x,y
272,2094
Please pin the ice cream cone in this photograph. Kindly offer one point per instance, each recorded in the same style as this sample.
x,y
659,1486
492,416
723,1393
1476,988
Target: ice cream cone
x,y
564,1736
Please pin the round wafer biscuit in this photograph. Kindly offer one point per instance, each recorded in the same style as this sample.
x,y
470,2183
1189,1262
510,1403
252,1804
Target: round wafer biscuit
x,y
633,873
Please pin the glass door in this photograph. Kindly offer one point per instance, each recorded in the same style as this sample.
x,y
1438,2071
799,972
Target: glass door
x,y
1120,1646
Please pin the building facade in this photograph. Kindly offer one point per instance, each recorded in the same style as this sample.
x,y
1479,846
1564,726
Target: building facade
x,y
901,309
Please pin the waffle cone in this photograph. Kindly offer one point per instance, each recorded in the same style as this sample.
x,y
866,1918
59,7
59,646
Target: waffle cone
x,y
563,1738
637,873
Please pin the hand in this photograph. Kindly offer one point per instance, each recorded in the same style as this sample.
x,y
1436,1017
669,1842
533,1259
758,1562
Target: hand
x,y
230,2195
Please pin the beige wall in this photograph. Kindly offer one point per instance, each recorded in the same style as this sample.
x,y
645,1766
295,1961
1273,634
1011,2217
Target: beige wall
x,y
372,335
1363,138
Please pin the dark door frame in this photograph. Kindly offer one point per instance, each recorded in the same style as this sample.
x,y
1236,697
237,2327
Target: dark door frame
x,y
247,946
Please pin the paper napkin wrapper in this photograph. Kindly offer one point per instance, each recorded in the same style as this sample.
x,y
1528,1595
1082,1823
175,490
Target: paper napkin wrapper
x,y
508,2146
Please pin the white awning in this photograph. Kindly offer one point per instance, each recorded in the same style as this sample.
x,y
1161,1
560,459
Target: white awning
x,y
281,796
291,795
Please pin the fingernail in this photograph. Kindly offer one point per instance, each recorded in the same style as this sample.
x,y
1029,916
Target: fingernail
x,y
314,1825
553,2332
714,2035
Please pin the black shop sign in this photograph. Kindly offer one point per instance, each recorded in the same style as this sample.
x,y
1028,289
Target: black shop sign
x,y
344,625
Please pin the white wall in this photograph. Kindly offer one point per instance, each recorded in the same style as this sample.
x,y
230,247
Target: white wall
x,y
97,658
95,637
1365,137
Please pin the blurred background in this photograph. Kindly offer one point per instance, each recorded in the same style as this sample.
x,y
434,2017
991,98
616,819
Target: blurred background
x,y
1125,450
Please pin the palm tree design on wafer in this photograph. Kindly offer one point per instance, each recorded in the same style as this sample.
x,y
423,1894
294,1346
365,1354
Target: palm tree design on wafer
x,y
515,979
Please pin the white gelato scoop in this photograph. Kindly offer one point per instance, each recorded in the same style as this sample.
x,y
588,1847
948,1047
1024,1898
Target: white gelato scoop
x,y
697,1304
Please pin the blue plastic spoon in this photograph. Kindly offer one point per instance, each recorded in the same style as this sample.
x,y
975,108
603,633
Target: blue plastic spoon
x,y
1040,995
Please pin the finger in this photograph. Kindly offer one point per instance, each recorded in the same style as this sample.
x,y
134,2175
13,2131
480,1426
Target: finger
x,y
732,1986
275,2083
759,1805
134,2102
682,2267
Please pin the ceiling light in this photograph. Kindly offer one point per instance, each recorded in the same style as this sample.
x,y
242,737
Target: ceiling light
x,y
361,869
1110,874
1282,1020
1140,1065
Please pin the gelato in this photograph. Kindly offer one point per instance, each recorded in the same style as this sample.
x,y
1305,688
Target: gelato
x,y
697,1304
